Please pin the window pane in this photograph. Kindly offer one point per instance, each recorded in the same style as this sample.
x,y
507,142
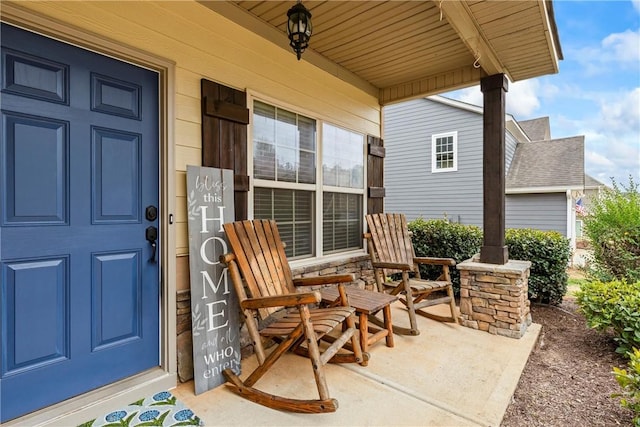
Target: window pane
x,y
342,222
307,168
293,212
264,136
282,205
262,203
287,164
264,161
284,145
329,170
357,175
286,129
343,157
264,125
307,129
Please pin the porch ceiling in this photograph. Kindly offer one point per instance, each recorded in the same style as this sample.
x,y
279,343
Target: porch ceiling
x,y
398,50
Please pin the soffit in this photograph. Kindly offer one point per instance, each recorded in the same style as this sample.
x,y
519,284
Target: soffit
x,y
398,50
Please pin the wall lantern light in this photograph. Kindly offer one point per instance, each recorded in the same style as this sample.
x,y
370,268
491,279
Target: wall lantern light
x,y
299,28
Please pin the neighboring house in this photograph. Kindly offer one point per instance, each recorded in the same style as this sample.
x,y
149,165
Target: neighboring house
x,y
104,104
434,166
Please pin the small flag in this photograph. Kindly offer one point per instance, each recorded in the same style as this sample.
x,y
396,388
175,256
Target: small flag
x,y
580,210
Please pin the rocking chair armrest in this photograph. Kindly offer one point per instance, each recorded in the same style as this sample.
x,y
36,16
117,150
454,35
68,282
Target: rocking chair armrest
x,y
392,265
323,280
288,300
435,261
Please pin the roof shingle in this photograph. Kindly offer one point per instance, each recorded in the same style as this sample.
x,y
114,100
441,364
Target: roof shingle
x,y
544,164
537,129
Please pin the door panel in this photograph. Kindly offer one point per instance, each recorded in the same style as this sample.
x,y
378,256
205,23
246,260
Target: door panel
x,y
116,283
78,164
35,144
39,289
116,176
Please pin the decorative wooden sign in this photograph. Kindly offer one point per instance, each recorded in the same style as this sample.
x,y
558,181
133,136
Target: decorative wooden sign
x,y
214,304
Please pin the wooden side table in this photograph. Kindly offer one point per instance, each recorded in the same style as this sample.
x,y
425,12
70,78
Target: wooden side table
x,y
366,303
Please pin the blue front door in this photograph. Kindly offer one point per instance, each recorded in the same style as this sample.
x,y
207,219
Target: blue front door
x,y
78,169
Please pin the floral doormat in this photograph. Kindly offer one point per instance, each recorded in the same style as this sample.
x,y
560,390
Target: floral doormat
x,y
161,409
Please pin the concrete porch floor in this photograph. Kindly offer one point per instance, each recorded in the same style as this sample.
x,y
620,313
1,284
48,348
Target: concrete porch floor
x,y
448,375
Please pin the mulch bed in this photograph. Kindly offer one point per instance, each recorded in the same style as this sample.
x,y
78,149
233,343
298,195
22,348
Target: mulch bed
x,y
568,380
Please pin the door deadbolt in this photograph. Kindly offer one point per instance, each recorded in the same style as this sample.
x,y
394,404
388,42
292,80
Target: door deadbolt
x,y
151,213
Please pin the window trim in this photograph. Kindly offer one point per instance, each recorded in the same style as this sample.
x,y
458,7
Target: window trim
x,y
434,138
318,187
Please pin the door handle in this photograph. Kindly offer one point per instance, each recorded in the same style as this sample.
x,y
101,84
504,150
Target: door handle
x,y
151,235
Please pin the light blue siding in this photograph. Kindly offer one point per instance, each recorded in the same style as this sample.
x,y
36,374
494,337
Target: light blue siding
x,y
411,187
540,211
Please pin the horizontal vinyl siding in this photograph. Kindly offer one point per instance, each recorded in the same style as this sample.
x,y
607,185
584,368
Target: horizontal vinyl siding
x,y
547,212
411,188
203,44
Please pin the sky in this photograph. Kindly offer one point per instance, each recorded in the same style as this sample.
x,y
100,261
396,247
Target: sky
x,y
597,91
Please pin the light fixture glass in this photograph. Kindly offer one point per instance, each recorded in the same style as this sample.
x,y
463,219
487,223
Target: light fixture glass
x,y
299,28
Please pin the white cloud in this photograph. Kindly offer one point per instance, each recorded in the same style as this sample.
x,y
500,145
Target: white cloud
x,y
597,160
622,47
636,4
621,113
612,134
523,97
617,50
470,95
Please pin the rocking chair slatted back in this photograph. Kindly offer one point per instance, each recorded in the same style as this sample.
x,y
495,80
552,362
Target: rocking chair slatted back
x,y
261,258
391,239
391,251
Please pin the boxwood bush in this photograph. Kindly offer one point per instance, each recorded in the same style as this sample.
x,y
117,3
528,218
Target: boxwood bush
x,y
443,239
549,253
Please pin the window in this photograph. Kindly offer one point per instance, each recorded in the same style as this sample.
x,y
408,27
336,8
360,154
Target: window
x,y
312,184
444,152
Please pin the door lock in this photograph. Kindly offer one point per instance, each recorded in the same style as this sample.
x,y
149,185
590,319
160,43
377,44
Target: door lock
x,y
151,213
151,235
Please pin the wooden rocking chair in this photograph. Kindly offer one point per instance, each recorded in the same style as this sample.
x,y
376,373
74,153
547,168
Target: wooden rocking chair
x,y
274,310
391,251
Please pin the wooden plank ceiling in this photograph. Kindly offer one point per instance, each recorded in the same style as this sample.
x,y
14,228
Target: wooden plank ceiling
x,y
398,50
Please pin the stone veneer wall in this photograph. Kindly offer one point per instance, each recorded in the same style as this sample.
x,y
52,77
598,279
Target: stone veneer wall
x,y
359,266
494,298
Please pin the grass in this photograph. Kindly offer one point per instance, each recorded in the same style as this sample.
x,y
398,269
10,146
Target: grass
x,y
576,278
574,285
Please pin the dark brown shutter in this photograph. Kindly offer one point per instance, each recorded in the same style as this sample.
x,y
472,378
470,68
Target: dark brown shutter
x,y
375,175
224,137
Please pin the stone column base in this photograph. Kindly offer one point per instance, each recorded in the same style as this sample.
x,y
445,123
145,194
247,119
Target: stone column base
x,y
494,298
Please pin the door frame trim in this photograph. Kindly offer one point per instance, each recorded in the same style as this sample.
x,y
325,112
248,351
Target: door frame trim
x,y
164,377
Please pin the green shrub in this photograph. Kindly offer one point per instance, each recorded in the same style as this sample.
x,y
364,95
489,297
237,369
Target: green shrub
x,y
613,227
549,254
630,383
613,306
444,239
